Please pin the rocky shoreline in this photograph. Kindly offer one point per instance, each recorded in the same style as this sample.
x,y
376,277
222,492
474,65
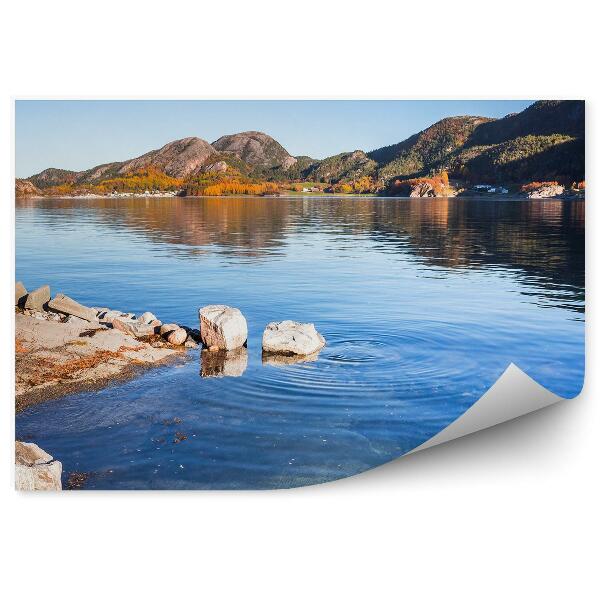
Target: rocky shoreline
x,y
62,346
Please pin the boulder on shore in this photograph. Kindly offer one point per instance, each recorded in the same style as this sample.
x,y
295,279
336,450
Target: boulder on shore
x,y
222,326
147,318
35,469
38,299
422,190
65,305
177,337
20,294
548,190
134,328
166,328
289,337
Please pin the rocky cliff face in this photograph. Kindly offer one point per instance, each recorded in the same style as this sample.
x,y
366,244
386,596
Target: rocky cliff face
x,y
24,188
255,148
176,159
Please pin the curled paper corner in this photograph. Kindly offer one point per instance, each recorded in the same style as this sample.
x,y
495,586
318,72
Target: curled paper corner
x,y
513,394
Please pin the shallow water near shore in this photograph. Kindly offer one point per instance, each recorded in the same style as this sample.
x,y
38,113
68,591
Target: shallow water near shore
x,y
423,303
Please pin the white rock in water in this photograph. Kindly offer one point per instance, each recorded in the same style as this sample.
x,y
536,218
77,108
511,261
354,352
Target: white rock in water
x,y
147,317
289,337
35,469
222,326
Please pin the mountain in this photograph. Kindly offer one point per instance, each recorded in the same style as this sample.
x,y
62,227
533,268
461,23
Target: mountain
x,y
341,167
544,142
255,148
50,177
178,159
545,117
428,147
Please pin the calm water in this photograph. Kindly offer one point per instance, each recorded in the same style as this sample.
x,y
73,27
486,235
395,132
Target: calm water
x,y
423,303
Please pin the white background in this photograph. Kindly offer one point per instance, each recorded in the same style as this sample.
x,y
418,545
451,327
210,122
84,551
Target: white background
x,y
507,513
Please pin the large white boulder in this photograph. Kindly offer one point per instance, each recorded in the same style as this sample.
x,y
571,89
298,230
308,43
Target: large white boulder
x,y
222,326
289,337
35,469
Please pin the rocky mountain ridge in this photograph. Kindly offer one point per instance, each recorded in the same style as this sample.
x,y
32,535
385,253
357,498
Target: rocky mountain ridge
x,y
543,142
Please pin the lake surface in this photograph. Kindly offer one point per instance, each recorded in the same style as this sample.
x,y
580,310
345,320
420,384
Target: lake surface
x,y
423,303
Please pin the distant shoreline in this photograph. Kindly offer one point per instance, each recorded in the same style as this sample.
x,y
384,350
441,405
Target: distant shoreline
x,y
492,197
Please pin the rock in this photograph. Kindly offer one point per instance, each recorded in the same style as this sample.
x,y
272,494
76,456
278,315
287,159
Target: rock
x,y
24,188
289,337
67,306
35,469
36,314
156,324
548,190
193,334
288,162
224,363
109,315
177,337
421,190
217,167
222,326
147,317
134,328
167,328
20,294
76,320
38,299
190,343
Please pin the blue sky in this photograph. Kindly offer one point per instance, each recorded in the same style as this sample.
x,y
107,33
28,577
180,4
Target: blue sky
x,y
79,134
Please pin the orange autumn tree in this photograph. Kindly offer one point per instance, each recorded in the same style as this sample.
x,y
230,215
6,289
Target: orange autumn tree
x,y
141,180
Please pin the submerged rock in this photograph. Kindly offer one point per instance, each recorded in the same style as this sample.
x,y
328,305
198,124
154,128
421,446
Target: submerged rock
x,y
65,305
38,299
223,363
222,326
290,337
35,469
20,294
